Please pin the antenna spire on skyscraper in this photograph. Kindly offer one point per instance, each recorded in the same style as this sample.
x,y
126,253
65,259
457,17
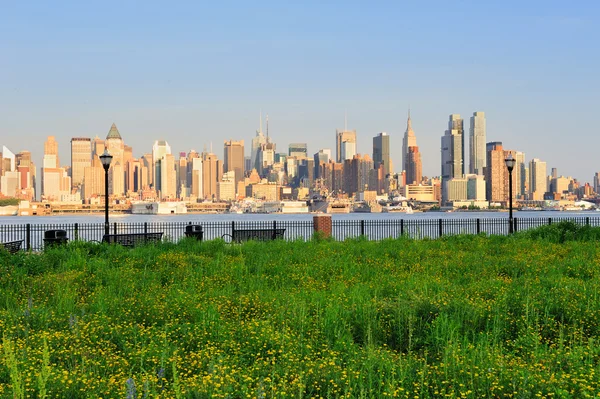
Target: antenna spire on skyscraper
x,y
267,127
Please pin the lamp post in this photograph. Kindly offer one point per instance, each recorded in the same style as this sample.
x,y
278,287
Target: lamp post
x,y
510,164
106,159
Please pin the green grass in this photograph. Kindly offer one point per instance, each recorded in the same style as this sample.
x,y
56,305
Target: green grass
x,y
465,316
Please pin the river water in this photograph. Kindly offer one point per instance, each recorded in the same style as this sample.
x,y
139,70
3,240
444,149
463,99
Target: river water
x,y
200,217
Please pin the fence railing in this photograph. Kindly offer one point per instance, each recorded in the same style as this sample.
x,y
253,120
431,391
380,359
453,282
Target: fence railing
x,y
33,234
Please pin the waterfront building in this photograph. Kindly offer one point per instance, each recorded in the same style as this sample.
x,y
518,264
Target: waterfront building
x,y
419,192
597,182
349,150
233,159
409,140
81,158
381,153
414,170
477,145
537,179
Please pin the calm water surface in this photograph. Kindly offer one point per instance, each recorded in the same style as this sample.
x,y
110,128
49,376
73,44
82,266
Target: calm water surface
x,y
193,217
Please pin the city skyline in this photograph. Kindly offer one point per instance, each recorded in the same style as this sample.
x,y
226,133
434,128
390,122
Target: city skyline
x,y
161,74
365,149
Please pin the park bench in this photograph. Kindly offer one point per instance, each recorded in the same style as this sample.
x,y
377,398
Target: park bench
x,y
132,239
241,235
13,246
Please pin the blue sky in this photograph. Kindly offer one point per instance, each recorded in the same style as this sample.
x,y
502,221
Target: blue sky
x,y
197,73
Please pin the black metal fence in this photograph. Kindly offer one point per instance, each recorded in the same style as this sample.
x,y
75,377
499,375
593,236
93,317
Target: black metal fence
x,y
33,234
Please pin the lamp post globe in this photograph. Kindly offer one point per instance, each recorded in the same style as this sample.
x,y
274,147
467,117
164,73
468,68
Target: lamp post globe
x,y
510,164
106,159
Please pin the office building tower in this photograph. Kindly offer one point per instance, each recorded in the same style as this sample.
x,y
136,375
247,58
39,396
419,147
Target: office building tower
x,y
356,174
233,159
27,176
477,145
8,160
520,175
409,140
381,153
452,152
476,187
266,158
196,178
93,179
347,151
212,172
537,179
597,182
496,173
414,170
148,169
257,142
159,150
81,158
115,146
226,187
320,158
168,177
457,189
298,150
98,146
51,148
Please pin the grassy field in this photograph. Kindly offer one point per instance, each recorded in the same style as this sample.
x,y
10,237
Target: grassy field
x,y
466,316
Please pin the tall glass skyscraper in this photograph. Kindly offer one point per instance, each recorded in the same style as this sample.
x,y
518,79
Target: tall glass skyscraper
x,y
477,155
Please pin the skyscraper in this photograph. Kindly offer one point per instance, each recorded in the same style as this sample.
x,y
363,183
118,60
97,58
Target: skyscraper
x,y
257,142
212,172
496,173
233,159
381,153
298,150
452,153
115,146
345,151
477,145
414,170
81,158
159,151
520,175
409,140
538,180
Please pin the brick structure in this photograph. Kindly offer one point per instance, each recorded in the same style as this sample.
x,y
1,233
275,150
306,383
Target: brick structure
x,y
322,223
